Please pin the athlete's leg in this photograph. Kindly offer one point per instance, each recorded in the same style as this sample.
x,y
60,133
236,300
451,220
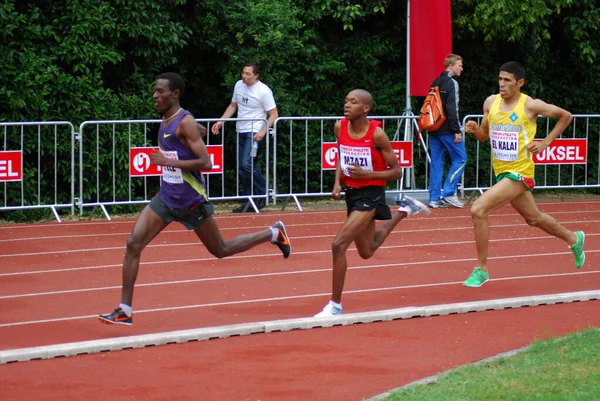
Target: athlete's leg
x,y
372,238
211,237
148,225
526,206
498,195
358,224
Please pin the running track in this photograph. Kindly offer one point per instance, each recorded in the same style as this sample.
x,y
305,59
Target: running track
x,y
56,278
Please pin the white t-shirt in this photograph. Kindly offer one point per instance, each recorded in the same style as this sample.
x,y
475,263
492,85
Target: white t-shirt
x,y
253,102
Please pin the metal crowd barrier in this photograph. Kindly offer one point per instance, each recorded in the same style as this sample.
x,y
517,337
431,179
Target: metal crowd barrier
x,y
571,161
304,156
44,151
37,161
115,168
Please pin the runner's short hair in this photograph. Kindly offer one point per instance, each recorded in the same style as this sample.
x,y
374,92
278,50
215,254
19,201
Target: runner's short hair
x,y
515,68
175,81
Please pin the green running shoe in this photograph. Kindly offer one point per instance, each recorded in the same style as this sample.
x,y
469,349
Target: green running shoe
x,y
477,278
577,249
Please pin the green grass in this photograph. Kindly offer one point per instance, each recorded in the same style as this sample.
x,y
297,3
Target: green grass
x,y
561,369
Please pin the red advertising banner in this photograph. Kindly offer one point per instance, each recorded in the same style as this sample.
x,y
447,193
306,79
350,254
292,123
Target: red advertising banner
x,y
11,166
329,151
140,165
430,42
563,151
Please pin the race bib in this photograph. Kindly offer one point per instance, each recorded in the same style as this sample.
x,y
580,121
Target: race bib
x,y
172,175
360,156
505,145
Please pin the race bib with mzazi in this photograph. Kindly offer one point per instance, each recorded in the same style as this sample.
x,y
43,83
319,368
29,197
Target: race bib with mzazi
x,y
172,175
359,155
505,145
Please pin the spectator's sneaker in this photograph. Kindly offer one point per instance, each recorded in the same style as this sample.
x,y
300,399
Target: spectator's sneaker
x,y
282,241
247,207
117,317
330,310
437,204
453,200
243,208
412,206
477,278
577,249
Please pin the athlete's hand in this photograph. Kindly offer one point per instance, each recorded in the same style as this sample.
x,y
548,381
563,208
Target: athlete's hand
x,y
536,147
471,127
158,158
355,171
336,192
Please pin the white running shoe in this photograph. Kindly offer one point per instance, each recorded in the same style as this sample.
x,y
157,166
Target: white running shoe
x,y
412,206
330,310
437,204
453,200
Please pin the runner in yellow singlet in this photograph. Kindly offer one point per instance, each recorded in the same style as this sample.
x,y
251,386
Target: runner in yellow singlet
x,y
509,122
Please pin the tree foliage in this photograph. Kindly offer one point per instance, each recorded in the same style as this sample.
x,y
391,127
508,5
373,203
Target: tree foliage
x,y
85,59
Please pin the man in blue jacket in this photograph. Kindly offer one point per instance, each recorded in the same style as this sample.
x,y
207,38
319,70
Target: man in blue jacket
x,y
448,139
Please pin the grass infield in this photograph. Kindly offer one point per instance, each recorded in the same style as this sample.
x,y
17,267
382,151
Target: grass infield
x,y
566,368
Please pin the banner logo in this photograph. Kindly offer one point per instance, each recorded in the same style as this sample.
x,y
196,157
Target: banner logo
x,y
329,154
140,164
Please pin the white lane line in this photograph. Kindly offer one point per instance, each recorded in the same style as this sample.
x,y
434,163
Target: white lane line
x,y
220,216
277,299
242,256
230,216
337,223
195,243
294,272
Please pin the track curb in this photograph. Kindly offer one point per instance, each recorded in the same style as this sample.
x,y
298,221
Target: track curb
x,y
210,333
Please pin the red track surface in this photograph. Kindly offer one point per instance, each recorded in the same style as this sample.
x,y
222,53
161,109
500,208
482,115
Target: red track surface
x,y
57,277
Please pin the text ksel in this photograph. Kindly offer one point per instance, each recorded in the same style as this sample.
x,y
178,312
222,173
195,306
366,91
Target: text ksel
x,y
561,153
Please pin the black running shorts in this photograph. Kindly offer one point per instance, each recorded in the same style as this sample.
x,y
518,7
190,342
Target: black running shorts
x,y
191,218
368,198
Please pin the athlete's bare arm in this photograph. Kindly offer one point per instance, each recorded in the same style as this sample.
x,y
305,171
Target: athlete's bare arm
x,y
381,142
189,134
537,107
202,129
337,186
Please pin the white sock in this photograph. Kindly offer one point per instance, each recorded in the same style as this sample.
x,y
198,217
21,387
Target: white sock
x,y
274,232
127,309
339,306
405,209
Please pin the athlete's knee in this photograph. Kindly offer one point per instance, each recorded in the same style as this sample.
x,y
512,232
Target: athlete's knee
x,y
134,246
535,220
366,253
220,252
339,247
478,211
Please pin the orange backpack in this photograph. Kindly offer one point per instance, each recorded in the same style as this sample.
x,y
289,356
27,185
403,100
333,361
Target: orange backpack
x,y
432,113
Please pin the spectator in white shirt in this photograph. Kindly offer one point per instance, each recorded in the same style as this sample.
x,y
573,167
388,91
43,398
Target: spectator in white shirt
x,y
251,99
